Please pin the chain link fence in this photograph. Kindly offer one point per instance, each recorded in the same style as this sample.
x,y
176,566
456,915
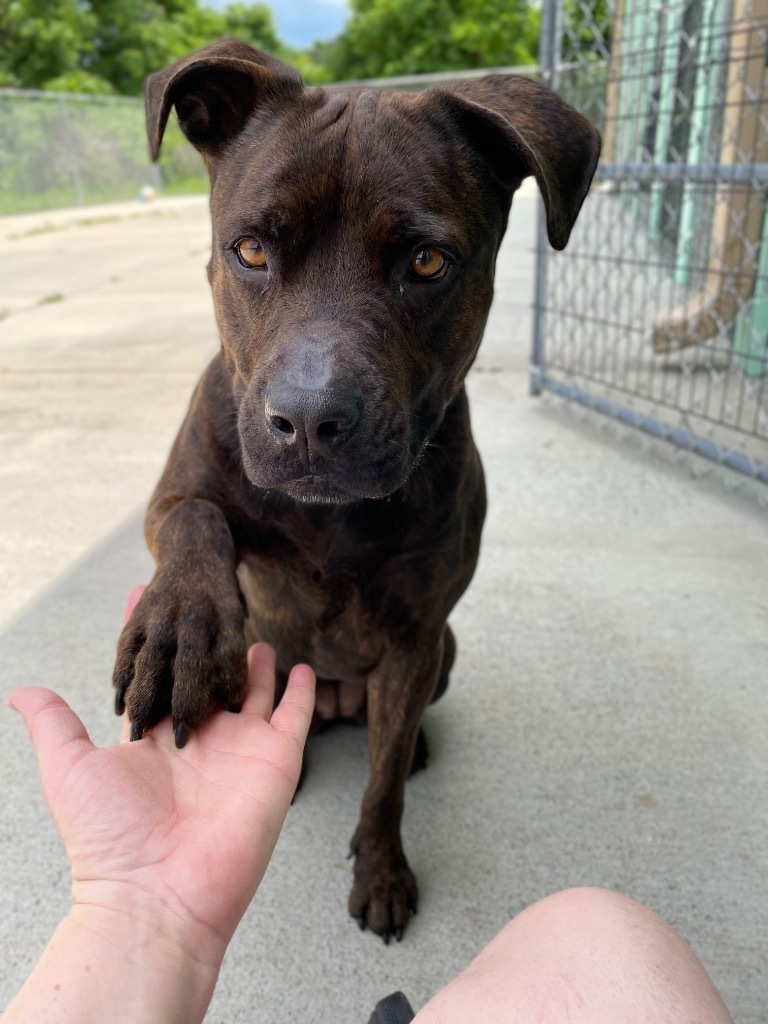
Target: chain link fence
x,y
657,312
62,149
65,149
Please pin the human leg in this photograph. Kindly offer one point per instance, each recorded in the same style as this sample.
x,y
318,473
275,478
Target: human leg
x,y
582,956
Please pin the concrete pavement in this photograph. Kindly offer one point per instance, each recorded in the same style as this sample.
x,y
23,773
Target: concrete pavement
x,y
607,715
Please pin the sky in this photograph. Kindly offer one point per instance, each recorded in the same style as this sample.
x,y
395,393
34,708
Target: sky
x,y
301,22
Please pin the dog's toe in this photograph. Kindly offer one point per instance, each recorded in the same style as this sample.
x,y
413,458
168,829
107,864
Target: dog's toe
x,y
181,653
383,898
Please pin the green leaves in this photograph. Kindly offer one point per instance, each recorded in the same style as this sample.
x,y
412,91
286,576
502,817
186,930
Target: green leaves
x,y
41,40
396,37
112,45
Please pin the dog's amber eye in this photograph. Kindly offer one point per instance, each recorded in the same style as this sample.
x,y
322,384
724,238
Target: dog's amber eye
x,y
428,262
251,254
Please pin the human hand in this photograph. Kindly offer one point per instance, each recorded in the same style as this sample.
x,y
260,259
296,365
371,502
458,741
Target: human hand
x,y
184,835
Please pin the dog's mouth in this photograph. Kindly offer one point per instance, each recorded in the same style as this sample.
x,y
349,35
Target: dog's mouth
x,y
332,482
316,488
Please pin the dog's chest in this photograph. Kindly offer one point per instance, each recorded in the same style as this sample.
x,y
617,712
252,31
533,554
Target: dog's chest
x,y
314,609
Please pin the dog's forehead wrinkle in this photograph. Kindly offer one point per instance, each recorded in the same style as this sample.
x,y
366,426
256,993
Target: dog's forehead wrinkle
x,y
366,105
353,158
336,105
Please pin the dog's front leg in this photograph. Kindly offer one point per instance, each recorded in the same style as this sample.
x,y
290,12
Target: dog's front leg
x,y
384,894
183,651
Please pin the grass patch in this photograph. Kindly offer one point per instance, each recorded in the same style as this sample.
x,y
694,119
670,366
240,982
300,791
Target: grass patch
x,y
88,222
191,188
48,300
43,229
46,229
62,198
188,187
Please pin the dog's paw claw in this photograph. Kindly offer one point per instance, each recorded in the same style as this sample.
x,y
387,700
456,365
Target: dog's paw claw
x,y
120,702
383,897
182,652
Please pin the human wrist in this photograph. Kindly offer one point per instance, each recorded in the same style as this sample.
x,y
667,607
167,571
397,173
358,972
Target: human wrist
x,y
134,914
137,962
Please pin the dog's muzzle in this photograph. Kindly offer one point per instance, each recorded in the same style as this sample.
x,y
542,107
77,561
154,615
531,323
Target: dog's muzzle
x,y
322,444
314,421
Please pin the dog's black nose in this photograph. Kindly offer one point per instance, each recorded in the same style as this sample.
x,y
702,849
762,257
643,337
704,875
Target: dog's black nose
x,y
315,416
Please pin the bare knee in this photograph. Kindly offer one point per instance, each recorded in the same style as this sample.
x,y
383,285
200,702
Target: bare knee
x,y
582,955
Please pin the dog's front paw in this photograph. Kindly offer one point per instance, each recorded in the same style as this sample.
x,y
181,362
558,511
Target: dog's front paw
x,y
384,895
182,653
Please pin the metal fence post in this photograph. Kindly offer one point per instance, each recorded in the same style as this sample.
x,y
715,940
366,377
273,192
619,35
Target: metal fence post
x,y
71,145
550,42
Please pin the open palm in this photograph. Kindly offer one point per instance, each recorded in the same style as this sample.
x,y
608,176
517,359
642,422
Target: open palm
x,y
191,829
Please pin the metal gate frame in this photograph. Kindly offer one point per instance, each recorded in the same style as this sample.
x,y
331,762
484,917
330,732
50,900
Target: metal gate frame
x,y
654,174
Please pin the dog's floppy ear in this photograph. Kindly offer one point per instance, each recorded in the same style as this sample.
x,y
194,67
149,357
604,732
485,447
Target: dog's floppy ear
x,y
215,91
523,128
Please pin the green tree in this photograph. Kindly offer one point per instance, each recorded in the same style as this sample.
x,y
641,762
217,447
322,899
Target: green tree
x,y
252,22
393,37
136,37
112,45
40,40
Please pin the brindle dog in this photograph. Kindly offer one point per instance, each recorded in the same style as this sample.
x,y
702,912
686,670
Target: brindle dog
x,y
324,493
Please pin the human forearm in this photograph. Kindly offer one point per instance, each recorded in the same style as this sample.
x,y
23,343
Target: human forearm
x,y
166,847
106,965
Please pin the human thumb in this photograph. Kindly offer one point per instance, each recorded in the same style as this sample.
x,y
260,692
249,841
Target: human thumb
x,y
58,736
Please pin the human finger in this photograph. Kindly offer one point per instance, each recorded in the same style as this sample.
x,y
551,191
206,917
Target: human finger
x,y
260,688
59,737
293,714
132,600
